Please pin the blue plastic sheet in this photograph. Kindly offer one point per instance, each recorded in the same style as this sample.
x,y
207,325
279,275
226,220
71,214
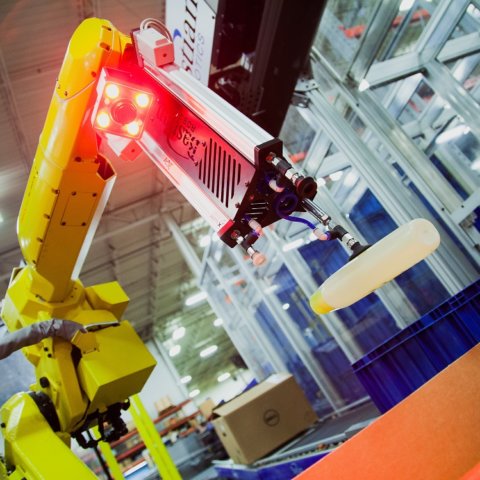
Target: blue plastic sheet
x,y
406,361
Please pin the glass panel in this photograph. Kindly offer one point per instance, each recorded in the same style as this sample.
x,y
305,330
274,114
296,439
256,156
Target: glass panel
x,y
469,23
467,73
429,119
292,361
417,103
406,99
406,28
368,320
339,36
239,332
322,345
297,135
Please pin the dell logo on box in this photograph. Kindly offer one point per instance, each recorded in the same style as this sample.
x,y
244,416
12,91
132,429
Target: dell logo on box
x,y
271,417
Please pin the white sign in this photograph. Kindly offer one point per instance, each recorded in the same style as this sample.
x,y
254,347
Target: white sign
x,y
192,25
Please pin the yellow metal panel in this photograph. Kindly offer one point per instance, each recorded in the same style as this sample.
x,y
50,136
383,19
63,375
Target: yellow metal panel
x,y
67,164
119,368
56,364
32,446
79,209
109,296
42,204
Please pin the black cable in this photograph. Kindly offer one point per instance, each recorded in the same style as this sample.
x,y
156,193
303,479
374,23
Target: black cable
x,y
100,457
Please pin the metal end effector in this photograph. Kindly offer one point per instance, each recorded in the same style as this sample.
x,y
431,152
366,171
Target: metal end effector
x,y
369,266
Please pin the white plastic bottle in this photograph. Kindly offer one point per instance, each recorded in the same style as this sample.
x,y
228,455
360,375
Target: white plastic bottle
x,y
382,262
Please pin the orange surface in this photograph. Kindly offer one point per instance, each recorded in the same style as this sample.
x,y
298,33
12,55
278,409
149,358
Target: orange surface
x,y
434,434
473,474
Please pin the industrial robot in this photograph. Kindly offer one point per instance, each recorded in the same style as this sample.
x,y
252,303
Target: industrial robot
x,y
120,95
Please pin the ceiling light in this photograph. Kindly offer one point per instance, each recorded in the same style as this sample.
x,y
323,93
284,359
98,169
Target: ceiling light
x,y
178,333
271,289
1,218
350,179
452,134
363,85
223,377
286,306
321,182
208,351
293,245
335,176
194,393
218,322
175,350
195,298
204,241
186,379
406,5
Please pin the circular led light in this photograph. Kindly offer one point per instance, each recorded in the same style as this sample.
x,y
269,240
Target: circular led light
x,y
112,91
103,119
133,128
142,100
124,112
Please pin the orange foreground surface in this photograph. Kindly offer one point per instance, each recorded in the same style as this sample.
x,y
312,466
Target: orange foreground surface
x,y
434,434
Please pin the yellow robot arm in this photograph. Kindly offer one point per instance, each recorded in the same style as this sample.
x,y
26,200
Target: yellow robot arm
x,y
88,381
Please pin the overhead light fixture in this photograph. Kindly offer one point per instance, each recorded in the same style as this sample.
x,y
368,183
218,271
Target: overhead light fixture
x,y
178,333
335,176
286,306
293,245
204,241
217,255
218,322
406,5
1,218
223,377
194,393
363,85
350,179
195,298
321,182
271,289
186,379
452,134
175,350
208,351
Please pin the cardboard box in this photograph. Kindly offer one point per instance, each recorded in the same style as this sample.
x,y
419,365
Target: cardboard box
x,y
206,408
263,418
433,434
163,404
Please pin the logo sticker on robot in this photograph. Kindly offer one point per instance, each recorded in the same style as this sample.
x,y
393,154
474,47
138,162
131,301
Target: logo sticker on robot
x,y
193,28
271,417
